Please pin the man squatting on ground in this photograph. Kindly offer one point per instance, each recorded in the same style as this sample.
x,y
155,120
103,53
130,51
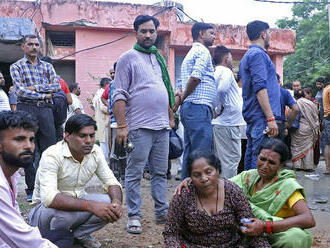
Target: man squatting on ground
x,y
68,166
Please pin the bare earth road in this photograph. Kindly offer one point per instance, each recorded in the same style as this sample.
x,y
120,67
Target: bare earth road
x,y
115,235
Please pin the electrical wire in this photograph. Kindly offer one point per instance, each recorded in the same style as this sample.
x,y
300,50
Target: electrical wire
x,y
186,14
291,2
123,37
97,46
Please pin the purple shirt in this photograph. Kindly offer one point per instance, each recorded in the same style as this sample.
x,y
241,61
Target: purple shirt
x,y
138,81
14,231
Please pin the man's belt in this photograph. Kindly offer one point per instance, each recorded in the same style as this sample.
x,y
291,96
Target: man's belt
x,y
37,102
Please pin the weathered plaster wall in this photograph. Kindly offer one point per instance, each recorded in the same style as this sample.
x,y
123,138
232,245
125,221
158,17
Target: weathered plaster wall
x,y
234,37
112,20
97,62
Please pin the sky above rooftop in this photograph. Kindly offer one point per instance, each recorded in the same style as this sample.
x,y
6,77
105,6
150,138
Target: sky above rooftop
x,y
238,12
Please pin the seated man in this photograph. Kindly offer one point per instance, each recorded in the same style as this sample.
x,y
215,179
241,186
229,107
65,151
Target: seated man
x,y
64,171
17,133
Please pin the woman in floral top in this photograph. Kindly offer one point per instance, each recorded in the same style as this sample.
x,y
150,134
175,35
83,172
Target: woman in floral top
x,y
209,213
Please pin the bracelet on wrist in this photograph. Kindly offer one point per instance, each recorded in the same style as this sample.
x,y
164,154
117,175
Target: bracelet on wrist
x,y
85,205
122,126
271,119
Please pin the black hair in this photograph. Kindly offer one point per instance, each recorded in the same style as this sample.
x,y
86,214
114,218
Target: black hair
x,y
29,36
278,146
299,94
238,77
255,28
104,81
47,59
73,86
278,77
140,19
18,119
219,53
287,86
197,27
76,122
209,156
320,80
307,90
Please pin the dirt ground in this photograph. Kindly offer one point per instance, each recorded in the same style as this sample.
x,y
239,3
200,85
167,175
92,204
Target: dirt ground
x,y
115,235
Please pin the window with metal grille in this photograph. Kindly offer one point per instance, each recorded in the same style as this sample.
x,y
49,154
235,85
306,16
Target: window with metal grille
x,y
60,38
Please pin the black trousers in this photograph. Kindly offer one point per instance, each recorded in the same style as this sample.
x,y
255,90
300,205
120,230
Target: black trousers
x,y
45,137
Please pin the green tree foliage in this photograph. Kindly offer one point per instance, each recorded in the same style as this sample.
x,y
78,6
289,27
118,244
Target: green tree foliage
x,y
312,55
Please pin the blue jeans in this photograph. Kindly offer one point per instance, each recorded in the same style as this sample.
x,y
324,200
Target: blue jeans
x,y
255,136
196,119
150,146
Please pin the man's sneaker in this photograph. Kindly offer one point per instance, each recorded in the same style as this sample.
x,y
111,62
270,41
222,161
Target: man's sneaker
x,y
29,198
88,242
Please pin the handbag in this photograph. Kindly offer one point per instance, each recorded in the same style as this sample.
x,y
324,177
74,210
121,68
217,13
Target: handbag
x,y
176,145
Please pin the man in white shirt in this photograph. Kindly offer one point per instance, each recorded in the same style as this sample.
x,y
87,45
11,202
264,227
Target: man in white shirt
x,y
226,126
76,107
17,134
4,102
62,177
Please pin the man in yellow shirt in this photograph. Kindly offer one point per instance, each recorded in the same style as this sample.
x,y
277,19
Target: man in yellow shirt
x,y
326,126
64,171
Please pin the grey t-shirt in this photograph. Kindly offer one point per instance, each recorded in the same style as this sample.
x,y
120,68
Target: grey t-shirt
x,y
138,81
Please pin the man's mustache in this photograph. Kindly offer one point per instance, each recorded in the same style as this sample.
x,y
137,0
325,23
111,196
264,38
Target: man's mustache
x,y
26,153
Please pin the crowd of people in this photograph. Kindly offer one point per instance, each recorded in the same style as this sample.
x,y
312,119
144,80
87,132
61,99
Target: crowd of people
x,y
44,129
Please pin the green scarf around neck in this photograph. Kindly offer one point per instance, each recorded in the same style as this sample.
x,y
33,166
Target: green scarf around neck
x,y
165,75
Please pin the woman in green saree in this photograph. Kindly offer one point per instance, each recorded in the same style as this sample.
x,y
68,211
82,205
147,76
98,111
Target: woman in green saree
x,y
277,199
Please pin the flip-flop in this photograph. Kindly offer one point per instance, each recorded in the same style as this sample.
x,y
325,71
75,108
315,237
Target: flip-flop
x,y
134,226
326,173
161,220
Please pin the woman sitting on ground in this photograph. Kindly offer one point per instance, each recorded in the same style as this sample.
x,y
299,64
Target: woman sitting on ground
x,y
209,214
277,199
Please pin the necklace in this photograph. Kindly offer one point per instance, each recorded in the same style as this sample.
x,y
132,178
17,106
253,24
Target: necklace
x,y
216,205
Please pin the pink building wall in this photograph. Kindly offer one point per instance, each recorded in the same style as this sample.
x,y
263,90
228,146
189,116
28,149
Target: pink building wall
x,y
113,20
97,62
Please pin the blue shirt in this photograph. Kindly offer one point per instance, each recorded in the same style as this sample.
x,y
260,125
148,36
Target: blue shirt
x,y
111,89
286,100
257,72
12,97
198,64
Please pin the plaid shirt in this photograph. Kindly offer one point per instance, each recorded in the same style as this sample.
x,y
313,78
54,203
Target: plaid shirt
x,y
42,76
198,64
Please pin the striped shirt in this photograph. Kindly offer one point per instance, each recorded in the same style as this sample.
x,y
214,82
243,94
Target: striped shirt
x,y
198,64
42,76
4,102
138,82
